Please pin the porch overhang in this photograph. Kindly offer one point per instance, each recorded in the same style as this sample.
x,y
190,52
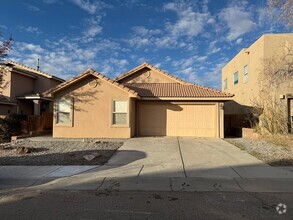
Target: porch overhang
x,y
33,97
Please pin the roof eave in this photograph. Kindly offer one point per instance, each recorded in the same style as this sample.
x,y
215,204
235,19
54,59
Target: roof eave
x,y
85,74
188,98
29,69
64,85
152,67
7,103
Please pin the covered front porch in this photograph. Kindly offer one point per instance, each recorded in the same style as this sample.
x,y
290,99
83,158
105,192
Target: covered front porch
x,y
34,104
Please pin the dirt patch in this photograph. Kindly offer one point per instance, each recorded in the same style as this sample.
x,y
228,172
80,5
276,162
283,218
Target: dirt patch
x,y
266,149
281,140
59,152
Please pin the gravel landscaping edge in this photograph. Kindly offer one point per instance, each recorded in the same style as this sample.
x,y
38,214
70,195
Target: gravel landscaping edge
x,y
270,153
62,152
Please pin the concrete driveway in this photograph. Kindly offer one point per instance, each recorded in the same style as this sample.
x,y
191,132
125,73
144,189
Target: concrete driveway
x,y
185,157
160,164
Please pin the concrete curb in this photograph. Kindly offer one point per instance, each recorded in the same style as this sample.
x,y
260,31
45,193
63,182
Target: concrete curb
x,y
177,184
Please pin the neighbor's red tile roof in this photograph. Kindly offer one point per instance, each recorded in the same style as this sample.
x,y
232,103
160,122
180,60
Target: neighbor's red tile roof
x,y
177,90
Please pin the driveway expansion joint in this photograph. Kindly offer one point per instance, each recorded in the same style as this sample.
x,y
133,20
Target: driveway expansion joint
x,y
235,172
140,170
171,186
101,183
183,165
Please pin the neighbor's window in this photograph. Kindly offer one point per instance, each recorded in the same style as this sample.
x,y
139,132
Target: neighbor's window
x,y
245,78
63,111
225,84
235,78
119,112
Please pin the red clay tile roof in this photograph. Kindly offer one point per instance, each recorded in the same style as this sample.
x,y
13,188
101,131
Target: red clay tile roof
x,y
177,90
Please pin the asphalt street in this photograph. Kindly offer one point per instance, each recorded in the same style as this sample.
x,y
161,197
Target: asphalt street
x,y
143,205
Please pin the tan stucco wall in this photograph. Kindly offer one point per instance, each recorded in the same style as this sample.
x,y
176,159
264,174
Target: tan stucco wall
x,y
43,84
147,75
245,93
5,89
18,84
21,85
275,48
92,111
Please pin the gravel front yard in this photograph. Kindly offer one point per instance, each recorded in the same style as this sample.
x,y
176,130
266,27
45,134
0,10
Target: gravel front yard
x,y
66,152
266,150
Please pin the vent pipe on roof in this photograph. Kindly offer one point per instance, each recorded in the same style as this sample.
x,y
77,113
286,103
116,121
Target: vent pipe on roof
x,y
38,64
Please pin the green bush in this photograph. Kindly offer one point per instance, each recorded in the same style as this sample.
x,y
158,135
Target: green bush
x,y
10,125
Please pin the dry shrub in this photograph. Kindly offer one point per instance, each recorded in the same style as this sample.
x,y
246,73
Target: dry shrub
x,y
268,108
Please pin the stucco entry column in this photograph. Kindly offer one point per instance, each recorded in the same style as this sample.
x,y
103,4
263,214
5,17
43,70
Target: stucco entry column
x,y
221,119
37,107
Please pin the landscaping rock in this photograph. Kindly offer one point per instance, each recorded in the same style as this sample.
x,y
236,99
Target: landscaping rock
x,y
91,156
24,150
48,151
5,146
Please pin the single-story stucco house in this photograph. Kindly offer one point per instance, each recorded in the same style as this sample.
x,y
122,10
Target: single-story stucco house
x,y
145,101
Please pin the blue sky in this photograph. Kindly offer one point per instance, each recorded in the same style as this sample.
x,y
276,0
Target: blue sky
x,y
190,39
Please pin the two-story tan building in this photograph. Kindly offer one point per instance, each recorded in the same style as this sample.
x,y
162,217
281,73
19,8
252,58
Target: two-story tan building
x,y
241,77
21,89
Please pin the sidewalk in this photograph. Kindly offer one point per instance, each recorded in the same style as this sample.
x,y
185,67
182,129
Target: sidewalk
x,y
93,178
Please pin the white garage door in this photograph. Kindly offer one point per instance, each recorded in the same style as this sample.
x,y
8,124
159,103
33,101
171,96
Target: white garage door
x,y
170,119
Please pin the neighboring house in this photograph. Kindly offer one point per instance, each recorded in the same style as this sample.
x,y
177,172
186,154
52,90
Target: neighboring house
x,y
241,77
21,89
145,101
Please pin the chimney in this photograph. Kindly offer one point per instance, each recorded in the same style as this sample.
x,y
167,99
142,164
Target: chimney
x,y
38,64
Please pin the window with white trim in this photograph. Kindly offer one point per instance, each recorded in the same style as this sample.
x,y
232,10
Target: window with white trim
x,y
63,111
245,77
235,78
225,84
119,116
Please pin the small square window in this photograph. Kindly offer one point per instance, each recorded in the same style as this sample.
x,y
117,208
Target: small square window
x,y
245,77
119,112
235,78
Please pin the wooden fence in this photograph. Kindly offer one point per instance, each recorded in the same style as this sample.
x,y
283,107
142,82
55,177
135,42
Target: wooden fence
x,y
38,123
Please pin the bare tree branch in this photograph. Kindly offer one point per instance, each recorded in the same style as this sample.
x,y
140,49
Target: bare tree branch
x,y
267,107
281,10
4,50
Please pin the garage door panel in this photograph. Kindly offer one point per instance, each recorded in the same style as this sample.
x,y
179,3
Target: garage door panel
x,y
183,120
